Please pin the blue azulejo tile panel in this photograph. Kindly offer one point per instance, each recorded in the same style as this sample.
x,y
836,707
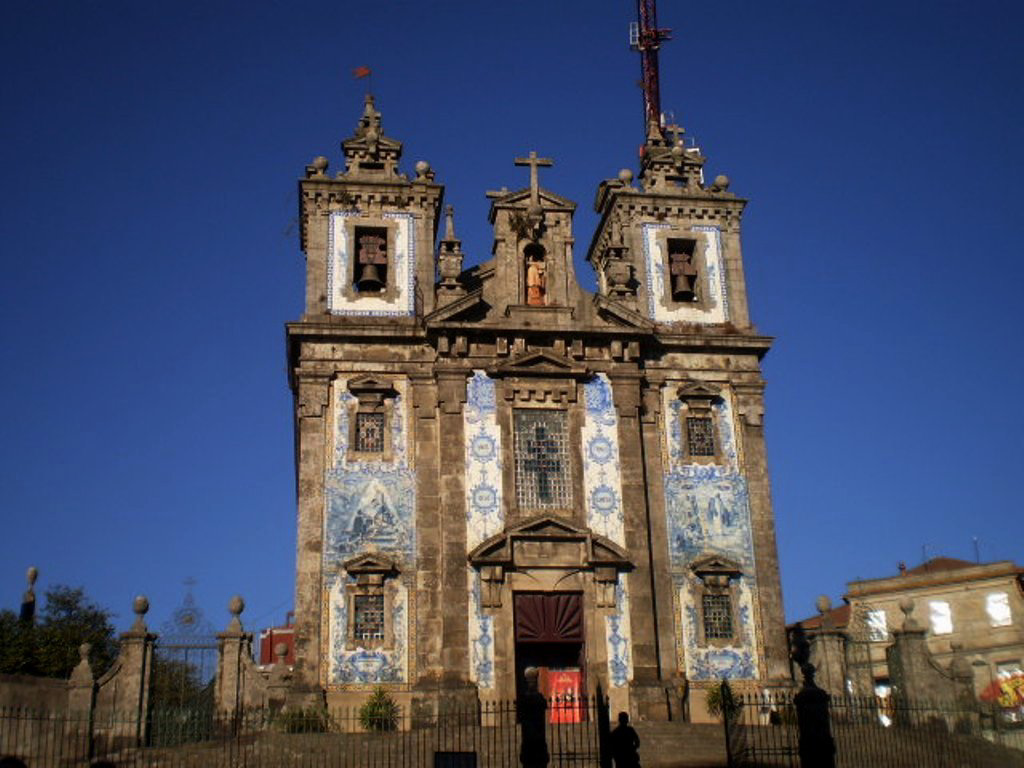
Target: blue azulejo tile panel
x,y
351,664
618,637
370,507
481,636
402,259
736,660
715,309
484,516
602,485
707,508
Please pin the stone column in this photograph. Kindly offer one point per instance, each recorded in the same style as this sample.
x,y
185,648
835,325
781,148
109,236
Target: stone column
x,y
646,690
762,523
451,386
429,620
311,447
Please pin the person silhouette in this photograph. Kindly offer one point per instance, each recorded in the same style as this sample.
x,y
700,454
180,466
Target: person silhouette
x,y
625,743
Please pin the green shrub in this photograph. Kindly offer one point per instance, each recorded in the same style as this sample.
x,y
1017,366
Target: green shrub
x,y
380,712
720,701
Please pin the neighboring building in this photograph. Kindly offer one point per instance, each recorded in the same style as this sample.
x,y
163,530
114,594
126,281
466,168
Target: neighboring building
x,y
271,638
498,469
968,608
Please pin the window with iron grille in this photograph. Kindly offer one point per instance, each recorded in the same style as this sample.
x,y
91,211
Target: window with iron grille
x,y
369,617
543,479
717,616
700,436
370,432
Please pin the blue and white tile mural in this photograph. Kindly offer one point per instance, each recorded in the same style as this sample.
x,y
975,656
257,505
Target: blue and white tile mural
x,y
708,512
618,638
341,302
602,488
484,516
715,309
602,491
370,507
481,636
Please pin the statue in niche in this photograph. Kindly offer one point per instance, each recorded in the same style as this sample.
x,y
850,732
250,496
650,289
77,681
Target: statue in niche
x,y
536,278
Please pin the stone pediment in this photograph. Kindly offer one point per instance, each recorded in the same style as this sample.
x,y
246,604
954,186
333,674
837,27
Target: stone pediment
x,y
539,363
452,311
618,313
548,541
715,564
698,390
521,199
370,562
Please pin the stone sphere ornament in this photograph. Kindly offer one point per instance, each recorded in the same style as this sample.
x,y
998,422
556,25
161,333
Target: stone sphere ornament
x,y
422,168
236,606
320,163
626,176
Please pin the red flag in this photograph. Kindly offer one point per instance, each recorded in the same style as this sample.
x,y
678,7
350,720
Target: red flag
x,y
360,72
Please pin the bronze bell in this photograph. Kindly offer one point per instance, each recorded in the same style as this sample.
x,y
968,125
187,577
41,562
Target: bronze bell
x,y
681,286
369,279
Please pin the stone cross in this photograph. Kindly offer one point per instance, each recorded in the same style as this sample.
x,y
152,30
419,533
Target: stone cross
x,y
534,162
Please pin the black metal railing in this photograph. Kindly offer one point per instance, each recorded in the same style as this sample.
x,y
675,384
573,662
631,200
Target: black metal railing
x,y
483,734
763,730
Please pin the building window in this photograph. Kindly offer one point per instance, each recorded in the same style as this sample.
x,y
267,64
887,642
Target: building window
x,y
369,617
878,628
370,412
543,479
370,432
370,594
717,614
700,436
997,606
941,617
699,422
370,270
682,269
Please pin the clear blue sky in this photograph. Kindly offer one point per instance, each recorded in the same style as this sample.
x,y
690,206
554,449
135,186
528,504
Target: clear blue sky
x,y
149,156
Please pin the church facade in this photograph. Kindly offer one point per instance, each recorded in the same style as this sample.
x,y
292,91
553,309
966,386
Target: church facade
x,y
497,469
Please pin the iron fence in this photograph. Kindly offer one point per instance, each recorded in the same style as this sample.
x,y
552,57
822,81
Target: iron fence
x,y
763,730
486,734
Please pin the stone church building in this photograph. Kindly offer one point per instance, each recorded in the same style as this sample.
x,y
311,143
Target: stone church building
x,y
497,469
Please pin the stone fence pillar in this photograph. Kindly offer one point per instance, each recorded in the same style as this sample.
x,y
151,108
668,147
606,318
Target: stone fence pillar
x,y
122,693
240,683
913,671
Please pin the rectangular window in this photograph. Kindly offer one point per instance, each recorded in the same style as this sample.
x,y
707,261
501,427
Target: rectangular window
x,y
369,618
700,436
878,629
543,479
370,432
997,606
941,617
717,616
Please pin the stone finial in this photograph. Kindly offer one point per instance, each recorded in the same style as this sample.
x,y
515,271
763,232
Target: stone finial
x,y
422,171
31,575
449,222
280,652
626,177
81,675
721,183
141,607
823,604
907,606
235,606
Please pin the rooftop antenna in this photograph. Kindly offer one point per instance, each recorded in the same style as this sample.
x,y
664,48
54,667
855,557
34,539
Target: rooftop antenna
x,y
645,37
977,550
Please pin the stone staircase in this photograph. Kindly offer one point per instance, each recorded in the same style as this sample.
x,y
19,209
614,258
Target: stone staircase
x,y
679,745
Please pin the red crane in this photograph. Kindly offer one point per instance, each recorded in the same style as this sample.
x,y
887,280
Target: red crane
x,y
645,37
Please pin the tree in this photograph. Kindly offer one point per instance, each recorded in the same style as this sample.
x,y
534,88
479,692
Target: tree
x,y
50,647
